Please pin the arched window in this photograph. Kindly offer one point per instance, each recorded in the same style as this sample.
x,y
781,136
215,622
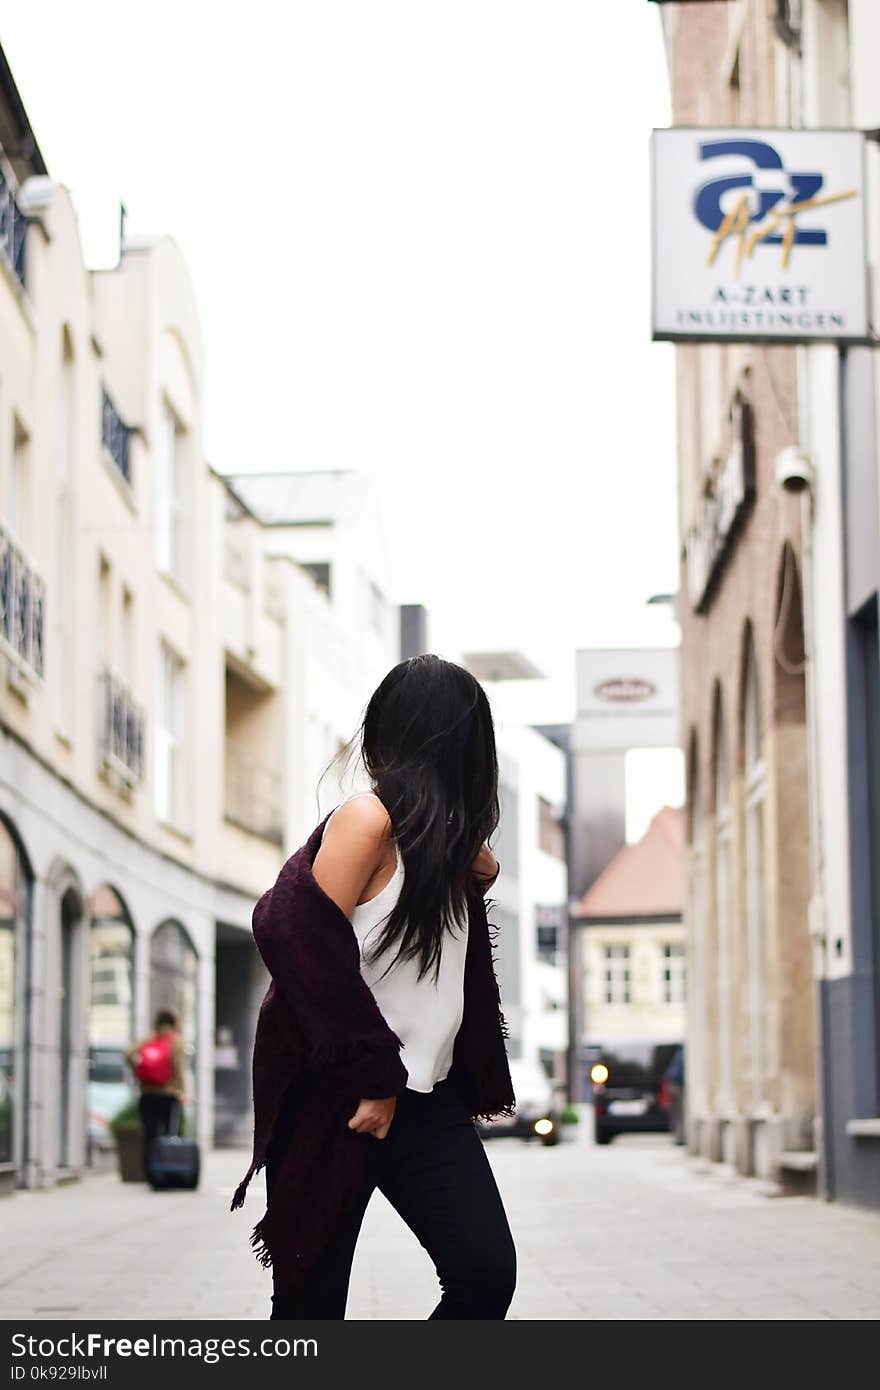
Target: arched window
x,y
788,643
174,983
722,904
15,903
111,953
755,785
111,1009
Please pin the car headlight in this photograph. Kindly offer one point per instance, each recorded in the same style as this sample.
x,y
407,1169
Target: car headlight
x,y
544,1126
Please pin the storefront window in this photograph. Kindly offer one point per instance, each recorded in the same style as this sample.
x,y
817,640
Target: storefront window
x,y
14,905
111,1010
174,978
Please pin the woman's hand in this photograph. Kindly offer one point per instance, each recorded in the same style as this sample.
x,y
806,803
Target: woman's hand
x,y
374,1117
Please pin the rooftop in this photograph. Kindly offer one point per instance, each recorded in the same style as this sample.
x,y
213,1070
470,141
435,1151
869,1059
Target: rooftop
x,y
645,879
501,666
309,497
17,138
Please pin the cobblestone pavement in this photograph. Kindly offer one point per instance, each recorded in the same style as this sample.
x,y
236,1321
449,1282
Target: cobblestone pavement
x,y
634,1230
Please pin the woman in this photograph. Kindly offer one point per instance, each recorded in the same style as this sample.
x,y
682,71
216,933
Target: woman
x,y
158,1065
392,1043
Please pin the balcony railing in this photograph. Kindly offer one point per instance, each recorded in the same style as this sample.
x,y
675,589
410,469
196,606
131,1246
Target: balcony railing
x,y
115,436
121,730
13,227
253,794
22,609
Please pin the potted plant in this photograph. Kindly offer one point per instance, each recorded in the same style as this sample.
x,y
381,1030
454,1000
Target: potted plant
x,y
128,1133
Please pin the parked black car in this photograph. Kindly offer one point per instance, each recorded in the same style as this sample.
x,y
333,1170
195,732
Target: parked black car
x,y
630,1091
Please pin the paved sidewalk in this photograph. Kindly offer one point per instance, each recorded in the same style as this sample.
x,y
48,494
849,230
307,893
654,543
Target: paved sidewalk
x,y
628,1231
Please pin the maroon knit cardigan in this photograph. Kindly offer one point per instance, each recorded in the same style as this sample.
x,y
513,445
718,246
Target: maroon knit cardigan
x,y
322,1045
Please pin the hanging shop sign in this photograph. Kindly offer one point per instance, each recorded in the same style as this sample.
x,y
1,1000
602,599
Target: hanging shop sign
x,y
759,235
728,494
625,690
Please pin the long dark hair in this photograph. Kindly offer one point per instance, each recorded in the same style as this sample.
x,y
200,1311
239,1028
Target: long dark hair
x,y
428,744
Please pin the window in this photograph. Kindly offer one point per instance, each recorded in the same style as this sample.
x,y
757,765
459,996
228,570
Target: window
x,y
549,922
673,974
734,87
174,984
111,1004
169,739
17,492
171,484
321,574
115,437
13,228
22,591
617,975
15,902
126,649
104,613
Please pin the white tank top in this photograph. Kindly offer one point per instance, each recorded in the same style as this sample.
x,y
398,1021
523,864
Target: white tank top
x,y
425,1014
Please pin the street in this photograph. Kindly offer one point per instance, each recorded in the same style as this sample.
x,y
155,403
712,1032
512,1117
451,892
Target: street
x,y
636,1230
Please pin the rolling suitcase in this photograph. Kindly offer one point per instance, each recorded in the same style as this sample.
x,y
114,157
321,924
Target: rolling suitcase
x,y
174,1161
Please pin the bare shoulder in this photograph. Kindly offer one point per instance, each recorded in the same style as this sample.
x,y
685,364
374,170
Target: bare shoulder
x,y
362,819
354,846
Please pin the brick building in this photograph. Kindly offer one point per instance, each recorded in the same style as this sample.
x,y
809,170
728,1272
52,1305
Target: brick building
x,y
751,1060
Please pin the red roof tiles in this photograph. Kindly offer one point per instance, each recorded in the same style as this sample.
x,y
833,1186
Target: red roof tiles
x,y
645,879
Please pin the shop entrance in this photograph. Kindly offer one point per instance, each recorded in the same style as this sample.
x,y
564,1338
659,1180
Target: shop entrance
x,y
71,918
241,982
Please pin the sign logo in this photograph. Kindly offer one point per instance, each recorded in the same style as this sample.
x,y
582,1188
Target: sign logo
x,y
762,203
625,690
759,235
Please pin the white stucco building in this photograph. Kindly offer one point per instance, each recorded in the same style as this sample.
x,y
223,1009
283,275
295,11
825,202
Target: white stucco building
x,y
531,893
530,896
176,668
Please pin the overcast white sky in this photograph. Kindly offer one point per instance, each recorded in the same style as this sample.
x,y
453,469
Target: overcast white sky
x,y
419,235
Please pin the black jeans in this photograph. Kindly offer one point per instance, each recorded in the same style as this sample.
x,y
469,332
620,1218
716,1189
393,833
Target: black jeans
x,y
158,1110
434,1172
